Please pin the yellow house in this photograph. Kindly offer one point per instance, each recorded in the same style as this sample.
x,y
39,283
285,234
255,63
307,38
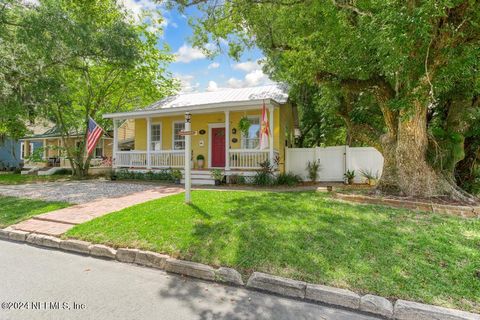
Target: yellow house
x,y
215,117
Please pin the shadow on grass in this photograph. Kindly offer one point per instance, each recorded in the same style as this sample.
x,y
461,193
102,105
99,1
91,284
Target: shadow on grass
x,y
365,248
14,210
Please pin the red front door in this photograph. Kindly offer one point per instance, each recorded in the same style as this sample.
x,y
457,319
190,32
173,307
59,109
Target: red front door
x,y
218,147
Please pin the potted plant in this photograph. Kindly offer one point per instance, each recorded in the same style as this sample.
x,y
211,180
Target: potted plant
x,y
370,177
176,176
244,124
200,161
349,176
217,175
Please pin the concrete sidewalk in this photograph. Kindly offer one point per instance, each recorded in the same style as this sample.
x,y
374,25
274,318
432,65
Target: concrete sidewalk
x,y
58,222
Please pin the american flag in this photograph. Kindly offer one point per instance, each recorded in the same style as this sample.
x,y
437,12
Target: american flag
x,y
93,135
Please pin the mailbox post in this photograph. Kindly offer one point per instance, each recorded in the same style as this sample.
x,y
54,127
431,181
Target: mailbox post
x,y
188,154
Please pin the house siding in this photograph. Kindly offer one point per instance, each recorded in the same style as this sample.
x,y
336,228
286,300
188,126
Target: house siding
x,y
10,153
283,124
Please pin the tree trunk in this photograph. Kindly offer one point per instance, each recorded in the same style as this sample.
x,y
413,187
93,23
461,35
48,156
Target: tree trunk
x,y
465,171
389,180
415,176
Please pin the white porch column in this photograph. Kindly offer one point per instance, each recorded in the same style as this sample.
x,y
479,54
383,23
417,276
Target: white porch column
x,y
115,141
270,143
44,149
227,140
149,142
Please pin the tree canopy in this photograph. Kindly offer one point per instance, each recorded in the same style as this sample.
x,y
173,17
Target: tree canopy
x,y
416,60
81,60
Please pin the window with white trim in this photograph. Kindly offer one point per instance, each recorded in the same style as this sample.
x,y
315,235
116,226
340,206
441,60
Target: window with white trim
x,y
252,139
99,149
22,150
156,137
178,140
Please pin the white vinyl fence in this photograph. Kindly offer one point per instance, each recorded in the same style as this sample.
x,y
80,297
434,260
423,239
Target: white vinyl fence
x,y
334,161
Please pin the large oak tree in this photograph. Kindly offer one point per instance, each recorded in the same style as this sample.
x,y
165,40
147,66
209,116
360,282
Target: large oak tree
x,y
89,58
418,59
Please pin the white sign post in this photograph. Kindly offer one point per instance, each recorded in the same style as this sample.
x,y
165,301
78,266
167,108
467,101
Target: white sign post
x,y
188,155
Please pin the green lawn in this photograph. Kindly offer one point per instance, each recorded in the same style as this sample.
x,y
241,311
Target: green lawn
x,y
309,236
16,178
14,210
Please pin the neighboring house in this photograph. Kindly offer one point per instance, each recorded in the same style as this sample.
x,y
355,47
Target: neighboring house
x,y
157,142
52,152
12,151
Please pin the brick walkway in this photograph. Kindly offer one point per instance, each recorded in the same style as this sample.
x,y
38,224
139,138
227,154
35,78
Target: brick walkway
x,y
57,222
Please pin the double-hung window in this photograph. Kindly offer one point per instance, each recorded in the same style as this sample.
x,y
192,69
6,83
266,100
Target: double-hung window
x,y
23,150
99,149
178,140
252,139
156,137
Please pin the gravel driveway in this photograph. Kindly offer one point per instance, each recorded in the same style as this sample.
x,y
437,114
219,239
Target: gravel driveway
x,y
75,191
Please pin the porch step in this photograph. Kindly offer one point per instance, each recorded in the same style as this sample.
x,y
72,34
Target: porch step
x,y
31,170
49,171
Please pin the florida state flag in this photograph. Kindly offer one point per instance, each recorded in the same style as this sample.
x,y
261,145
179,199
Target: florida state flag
x,y
264,129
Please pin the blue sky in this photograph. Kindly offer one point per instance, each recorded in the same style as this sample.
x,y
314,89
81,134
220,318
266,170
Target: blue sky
x,y
195,71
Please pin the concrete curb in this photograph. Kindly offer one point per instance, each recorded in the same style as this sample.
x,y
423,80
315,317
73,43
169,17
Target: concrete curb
x,y
336,297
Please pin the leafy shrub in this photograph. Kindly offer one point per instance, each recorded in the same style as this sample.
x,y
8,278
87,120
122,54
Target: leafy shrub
x,y
289,179
264,175
176,174
63,171
161,175
217,174
263,179
237,179
313,168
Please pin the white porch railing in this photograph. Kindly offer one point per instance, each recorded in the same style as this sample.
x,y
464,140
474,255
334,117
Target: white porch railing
x,y
239,159
249,159
167,159
158,159
130,159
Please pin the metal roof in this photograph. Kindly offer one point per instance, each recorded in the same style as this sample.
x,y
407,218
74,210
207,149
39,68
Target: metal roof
x,y
276,92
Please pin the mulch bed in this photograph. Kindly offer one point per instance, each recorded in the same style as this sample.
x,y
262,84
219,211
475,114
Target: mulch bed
x,y
437,204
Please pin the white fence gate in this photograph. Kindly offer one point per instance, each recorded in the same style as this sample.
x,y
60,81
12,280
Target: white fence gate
x,y
334,161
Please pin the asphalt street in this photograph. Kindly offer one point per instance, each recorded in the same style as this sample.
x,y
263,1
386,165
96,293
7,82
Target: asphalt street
x,y
37,283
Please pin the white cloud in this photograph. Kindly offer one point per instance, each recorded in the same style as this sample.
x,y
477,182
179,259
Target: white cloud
x,y
235,83
213,65
187,54
187,83
252,79
247,66
212,86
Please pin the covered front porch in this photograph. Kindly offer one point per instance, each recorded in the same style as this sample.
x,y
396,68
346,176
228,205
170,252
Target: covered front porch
x,y
217,144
